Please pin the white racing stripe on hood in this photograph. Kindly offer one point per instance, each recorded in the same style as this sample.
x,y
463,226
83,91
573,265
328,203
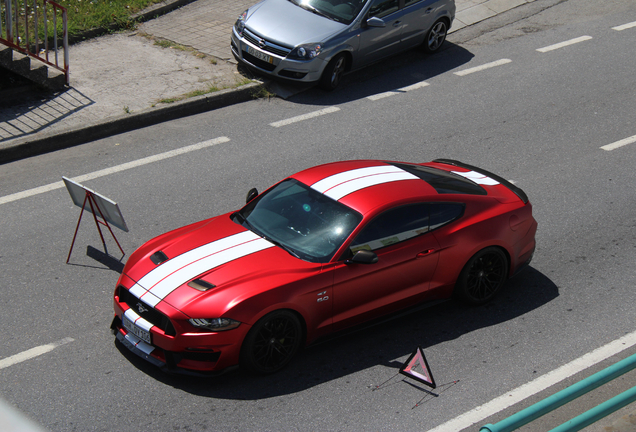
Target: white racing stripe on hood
x,y
344,183
158,283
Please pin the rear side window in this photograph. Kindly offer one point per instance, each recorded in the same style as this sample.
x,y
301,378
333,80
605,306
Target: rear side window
x,y
393,226
442,181
382,8
444,213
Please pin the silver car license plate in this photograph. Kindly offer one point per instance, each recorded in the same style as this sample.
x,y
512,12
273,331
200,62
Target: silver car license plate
x,y
137,331
260,55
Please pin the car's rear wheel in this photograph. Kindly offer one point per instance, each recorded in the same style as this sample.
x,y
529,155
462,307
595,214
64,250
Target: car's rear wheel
x,y
333,73
271,343
482,277
436,36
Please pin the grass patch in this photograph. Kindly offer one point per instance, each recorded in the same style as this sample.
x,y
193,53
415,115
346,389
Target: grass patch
x,y
213,88
85,15
163,43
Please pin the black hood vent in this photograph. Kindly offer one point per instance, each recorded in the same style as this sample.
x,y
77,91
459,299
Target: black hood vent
x,y
158,258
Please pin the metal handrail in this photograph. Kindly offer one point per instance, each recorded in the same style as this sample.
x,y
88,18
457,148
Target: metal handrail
x,y
553,402
14,31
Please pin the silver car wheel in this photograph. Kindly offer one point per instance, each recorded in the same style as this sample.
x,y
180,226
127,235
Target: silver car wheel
x,y
333,73
436,36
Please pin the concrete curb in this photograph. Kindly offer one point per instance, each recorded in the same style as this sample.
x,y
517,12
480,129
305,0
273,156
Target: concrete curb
x,y
40,143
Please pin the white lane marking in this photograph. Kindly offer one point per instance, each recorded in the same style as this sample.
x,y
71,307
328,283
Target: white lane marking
x,y
307,116
483,67
398,91
624,26
533,387
33,352
621,143
564,44
101,173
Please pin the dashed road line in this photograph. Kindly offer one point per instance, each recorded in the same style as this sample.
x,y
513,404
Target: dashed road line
x,y
621,143
519,394
32,353
398,91
483,67
564,44
307,116
118,168
625,26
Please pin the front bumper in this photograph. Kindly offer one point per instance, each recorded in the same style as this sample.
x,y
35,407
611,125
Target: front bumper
x,y
179,349
273,60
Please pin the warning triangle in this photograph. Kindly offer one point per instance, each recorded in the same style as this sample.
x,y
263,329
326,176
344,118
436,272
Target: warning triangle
x,y
417,368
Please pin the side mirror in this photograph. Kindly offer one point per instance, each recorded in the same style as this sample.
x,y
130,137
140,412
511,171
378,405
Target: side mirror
x,y
253,193
375,22
363,257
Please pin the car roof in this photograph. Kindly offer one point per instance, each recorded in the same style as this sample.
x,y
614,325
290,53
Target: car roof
x,y
366,185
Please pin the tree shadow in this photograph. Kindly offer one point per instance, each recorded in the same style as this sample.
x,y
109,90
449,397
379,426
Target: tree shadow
x,y
368,347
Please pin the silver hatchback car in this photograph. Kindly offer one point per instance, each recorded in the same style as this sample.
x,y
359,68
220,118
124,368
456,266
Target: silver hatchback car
x,y
320,40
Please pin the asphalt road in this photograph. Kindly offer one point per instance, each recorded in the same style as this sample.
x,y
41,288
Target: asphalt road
x,y
538,118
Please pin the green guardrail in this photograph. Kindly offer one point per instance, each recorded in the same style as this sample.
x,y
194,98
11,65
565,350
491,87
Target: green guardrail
x,y
569,394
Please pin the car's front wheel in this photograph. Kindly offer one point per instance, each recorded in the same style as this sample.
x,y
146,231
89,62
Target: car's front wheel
x,y
482,277
436,36
271,343
333,73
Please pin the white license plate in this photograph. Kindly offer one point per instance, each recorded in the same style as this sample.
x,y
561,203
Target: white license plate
x,y
137,331
260,55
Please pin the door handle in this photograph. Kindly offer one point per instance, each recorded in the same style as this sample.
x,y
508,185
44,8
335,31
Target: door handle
x,y
397,23
428,11
425,253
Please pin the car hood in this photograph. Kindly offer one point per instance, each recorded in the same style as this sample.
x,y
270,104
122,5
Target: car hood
x,y
287,24
229,263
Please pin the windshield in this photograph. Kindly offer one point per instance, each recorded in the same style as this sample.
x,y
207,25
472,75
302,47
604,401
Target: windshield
x,y
343,11
301,220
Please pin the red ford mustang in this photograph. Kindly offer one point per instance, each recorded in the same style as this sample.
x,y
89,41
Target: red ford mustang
x,y
325,249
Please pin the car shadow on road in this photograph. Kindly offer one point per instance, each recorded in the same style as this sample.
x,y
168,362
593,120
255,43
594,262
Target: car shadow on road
x,y
369,347
395,73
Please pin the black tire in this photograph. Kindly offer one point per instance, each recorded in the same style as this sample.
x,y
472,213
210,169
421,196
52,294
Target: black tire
x,y
333,73
482,276
435,36
271,343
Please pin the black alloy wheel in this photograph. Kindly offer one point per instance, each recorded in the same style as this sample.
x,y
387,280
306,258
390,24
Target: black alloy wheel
x,y
332,75
482,277
271,343
436,36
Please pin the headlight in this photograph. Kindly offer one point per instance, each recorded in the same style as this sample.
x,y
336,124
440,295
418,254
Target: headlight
x,y
214,324
305,52
239,25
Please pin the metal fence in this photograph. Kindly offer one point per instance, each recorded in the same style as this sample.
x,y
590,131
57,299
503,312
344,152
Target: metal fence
x,y
37,30
569,394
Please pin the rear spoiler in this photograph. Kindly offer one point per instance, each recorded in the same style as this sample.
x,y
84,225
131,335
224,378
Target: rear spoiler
x,y
520,193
